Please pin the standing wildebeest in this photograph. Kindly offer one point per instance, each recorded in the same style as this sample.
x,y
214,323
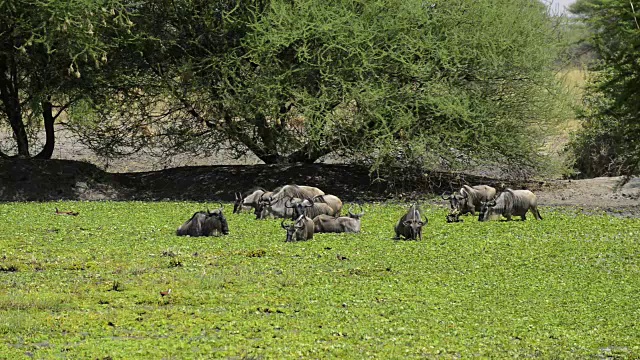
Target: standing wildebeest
x,y
277,204
410,224
205,224
469,199
330,224
301,229
510,203
248,201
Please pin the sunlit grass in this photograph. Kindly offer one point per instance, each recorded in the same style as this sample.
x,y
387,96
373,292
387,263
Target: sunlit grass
x,y
89,286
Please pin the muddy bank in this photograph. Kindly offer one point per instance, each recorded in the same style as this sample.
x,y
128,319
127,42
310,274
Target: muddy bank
x,y
46,180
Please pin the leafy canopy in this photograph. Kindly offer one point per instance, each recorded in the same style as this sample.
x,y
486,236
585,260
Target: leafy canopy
x,y
427,83
608,145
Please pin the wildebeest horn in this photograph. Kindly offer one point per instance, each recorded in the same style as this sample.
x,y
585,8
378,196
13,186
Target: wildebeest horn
x,y
287,202
221,206
445,198
361,210
283,225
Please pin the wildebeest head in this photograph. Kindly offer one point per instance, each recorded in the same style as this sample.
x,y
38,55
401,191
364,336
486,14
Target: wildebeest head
x,y
485,210
358,215
295,230
216,222
290,228
457,201
263,202
299,207
415,228
237,205
413,222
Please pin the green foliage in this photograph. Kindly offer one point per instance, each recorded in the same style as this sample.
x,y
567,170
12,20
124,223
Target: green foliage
x,y
447,83
47,49
609,143
564,287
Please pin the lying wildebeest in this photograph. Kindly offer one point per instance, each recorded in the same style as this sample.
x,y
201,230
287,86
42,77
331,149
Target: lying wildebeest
x,y
248,201
454,216
510,203
319,205
410,224
205,223
333,201
301,229
469,199
330,224
278,204
285,208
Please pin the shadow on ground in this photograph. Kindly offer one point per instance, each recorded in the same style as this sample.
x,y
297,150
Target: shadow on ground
x,y
46,180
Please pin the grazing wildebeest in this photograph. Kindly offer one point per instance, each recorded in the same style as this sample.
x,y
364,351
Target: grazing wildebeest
x,y
205,223
279,203
410,224
301,229
469,199
330,224
510,203
248,201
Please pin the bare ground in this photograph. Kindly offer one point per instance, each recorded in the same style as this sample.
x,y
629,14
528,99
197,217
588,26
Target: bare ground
x,y
47,180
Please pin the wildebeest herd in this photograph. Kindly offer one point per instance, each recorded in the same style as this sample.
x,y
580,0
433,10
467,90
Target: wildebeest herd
x,y
307,210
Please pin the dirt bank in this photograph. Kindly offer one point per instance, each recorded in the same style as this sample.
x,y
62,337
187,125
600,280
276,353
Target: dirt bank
x,y
45,180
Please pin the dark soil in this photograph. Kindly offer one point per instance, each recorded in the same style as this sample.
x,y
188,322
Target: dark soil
x,y
47,180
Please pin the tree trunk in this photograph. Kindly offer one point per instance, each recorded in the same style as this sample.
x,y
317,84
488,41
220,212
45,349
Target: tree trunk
x,y
19,132
11,102
50,142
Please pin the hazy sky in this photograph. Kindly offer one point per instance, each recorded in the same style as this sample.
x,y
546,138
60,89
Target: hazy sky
x,y
560,4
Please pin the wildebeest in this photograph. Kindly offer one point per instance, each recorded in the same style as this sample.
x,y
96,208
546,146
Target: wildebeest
x,y
410,224
205,223
278,204
319,205
248,200
333,201
469,199
330,224
301,229
510,203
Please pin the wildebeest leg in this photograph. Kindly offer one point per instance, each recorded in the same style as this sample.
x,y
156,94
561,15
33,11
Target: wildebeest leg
x,y
536,213
523,217
508,216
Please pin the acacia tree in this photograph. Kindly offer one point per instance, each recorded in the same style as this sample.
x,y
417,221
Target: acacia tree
x,y
608,143
45,49
434,82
